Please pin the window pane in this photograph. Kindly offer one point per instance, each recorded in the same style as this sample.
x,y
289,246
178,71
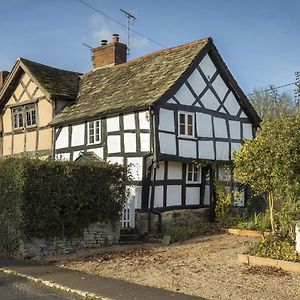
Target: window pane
x,y
182,118
190,167
190,119
190,176
190,130
182,129
28,118
33,118
20,120
196,176
97,131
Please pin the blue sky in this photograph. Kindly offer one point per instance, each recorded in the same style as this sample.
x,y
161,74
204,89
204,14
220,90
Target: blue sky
x,y
259,40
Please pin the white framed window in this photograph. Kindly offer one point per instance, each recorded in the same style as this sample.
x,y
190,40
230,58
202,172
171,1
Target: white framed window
x,y
94,132
193,174
30,115
18,121
186,124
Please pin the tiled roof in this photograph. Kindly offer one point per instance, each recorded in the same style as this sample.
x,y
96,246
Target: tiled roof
x,y
60,84
136,84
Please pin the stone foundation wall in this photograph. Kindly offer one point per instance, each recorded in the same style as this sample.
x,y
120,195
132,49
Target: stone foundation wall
x,y
171,219
96,235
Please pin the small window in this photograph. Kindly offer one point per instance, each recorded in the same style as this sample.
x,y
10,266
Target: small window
x,y
30,115
94,133
193,173
186,124
17,118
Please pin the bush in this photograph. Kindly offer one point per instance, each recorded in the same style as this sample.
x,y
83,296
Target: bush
x,y
277,248
49,198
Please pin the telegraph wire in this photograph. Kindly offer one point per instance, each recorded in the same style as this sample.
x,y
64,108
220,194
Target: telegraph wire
x,y
121,24
272,88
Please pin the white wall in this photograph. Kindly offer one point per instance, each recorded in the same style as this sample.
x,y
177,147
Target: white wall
x,y
63,138
77,135
174,170
166,120
173,195
167,143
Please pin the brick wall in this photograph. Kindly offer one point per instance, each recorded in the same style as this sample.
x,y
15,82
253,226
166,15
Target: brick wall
x,y
96,235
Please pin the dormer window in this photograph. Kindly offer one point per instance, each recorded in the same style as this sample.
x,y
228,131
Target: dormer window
x,y
186,124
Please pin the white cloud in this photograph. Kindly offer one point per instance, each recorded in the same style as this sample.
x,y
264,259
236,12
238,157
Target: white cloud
x,y
103,29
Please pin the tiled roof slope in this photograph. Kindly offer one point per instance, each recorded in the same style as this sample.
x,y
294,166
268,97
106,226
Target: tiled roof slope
x,y
136,84
58,83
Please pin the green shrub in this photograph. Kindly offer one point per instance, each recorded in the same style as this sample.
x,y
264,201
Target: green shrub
x,y
49,198
276,247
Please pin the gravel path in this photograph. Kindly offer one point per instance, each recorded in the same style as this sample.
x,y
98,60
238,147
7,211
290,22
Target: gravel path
x,y
205,266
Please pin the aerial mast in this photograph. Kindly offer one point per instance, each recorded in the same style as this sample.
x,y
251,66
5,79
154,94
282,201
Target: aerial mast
x,y
130,21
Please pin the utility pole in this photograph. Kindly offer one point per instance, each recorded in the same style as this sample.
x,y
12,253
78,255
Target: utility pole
x,y
130,21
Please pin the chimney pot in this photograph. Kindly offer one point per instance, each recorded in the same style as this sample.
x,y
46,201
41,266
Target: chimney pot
x,y
103,42
115,38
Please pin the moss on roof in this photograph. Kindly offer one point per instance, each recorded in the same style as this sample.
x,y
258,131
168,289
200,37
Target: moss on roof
x,y
58,83
136,84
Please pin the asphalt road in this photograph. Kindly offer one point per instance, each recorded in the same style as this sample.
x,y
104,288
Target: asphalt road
x,y
16,288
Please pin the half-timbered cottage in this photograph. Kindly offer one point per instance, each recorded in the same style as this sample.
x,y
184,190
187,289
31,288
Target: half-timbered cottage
x,y
30,96
175,116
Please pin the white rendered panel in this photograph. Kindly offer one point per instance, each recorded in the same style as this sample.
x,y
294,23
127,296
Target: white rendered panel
x,y
138,197
113,144
145,141
204,125
210,101
98,151
75,155
173,195
192,195
113,124
222,149
243,115
166,120
197,82
167,143
184,95
220,128
207,66
232,105
129,122
63,138
235,129
116,160
207,195
174,170
247,131
159,196
62,156
206,150
77,135
130,142
220,87
144,120
235,147
160,171
136,167
187,148
171,101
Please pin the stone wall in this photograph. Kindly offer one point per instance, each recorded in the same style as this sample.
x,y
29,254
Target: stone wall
x,y
96,235
171,219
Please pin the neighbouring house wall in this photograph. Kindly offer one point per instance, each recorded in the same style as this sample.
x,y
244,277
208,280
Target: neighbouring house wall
x,y
33,140
96,235
125,139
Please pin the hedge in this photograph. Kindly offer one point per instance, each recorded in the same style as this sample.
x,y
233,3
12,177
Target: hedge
x,y
49,198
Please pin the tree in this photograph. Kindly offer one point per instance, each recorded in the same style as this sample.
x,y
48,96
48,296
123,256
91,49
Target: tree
x,y
270,104
270,164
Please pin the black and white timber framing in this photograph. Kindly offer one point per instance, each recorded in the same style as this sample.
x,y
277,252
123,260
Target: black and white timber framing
x,y
214,121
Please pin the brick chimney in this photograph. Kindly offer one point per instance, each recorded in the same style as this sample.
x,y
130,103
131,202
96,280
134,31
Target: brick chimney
x,y
108,55
3,76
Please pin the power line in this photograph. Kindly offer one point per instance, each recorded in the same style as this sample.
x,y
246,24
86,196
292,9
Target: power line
x,y
272,88
121,24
